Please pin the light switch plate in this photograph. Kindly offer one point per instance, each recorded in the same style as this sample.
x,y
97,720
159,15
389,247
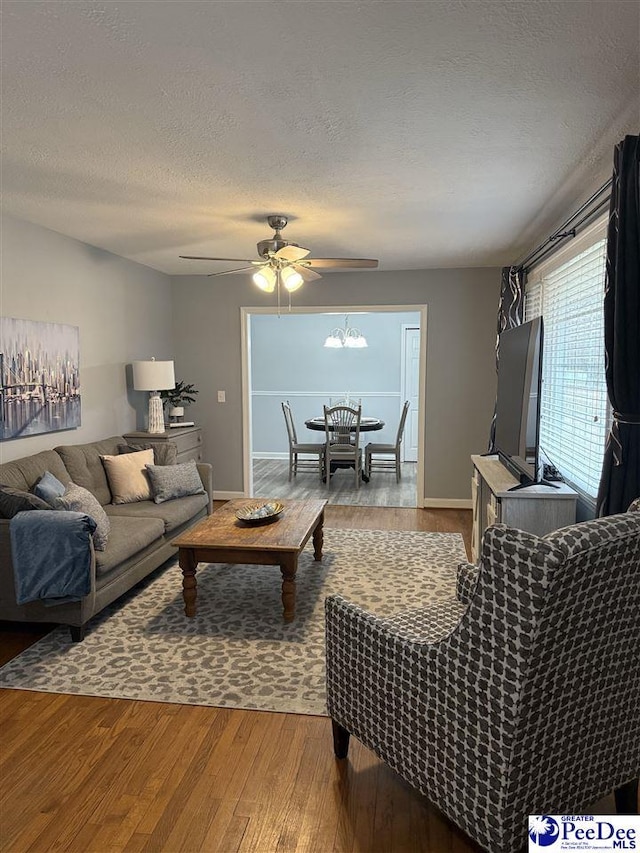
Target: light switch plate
x,y
222,396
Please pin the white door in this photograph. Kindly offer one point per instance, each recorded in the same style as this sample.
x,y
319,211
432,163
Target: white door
x,y
410,390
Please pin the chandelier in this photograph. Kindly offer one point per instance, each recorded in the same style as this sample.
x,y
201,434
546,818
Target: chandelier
x,y
347,337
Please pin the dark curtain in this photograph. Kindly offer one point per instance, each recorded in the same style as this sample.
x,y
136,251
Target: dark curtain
x,y
620,482
510,314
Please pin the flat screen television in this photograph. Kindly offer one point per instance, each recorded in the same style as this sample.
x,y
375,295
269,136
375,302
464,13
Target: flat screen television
x,y
517,433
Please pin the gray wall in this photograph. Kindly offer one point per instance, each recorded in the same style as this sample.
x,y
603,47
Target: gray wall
x,y
123,311
126,311
289,361
460,385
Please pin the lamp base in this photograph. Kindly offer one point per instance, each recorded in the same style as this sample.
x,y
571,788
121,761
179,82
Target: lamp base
x,y
156,414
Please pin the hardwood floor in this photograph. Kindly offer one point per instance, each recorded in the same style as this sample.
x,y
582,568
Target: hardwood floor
x,y
271,479
104,775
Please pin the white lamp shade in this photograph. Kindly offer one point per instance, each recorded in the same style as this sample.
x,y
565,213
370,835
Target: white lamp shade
x,y
333,342
153,375
265,279
291,279
356,341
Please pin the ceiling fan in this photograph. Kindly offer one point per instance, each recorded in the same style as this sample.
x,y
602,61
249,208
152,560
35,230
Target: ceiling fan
x,y
285,262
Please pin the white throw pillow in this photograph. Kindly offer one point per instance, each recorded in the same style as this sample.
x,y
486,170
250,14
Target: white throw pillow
x,y
127,476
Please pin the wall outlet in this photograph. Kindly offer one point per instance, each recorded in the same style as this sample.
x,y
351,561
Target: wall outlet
x,y
222,396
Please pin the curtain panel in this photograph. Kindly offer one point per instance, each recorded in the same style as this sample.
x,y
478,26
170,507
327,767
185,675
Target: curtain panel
x,y
620,482
510,314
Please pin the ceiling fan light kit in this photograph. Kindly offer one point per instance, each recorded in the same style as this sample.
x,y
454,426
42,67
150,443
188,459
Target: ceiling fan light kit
x,y
284,263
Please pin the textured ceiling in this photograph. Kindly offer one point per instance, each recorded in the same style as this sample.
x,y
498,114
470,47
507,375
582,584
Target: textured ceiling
x,y
425,134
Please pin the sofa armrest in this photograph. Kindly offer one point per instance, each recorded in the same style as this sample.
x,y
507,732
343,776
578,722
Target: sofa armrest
x,y
205,470
9,608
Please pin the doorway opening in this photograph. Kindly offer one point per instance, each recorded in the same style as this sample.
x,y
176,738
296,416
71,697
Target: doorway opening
x,y
284,359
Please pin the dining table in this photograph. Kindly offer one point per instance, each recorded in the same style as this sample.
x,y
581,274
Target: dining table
x,y
366,425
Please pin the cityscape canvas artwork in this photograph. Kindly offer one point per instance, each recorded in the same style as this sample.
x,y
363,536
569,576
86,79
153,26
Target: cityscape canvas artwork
x,y
39,377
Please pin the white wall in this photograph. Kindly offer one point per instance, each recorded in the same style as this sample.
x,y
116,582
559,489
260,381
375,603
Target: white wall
x,y
123,311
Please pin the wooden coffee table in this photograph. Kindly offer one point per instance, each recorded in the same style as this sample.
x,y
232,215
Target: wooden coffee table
x,y
222,538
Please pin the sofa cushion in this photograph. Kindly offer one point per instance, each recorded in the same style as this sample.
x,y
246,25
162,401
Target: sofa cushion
x,y
127,476
174,481
24,473
128,536
172,513
13,501
81,500
48,487
85,467
164,452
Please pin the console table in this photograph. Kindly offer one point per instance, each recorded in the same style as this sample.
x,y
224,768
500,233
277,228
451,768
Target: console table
x,y
536,509
188,440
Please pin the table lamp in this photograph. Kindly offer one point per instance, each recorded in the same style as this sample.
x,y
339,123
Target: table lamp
x,y
154,376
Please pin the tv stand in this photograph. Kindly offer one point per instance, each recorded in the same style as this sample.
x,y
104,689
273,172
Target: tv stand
x,y
499,497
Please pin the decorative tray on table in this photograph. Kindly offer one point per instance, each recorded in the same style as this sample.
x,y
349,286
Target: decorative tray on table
x,y
260,512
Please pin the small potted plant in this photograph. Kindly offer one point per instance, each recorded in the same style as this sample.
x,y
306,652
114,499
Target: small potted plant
x,y
177,398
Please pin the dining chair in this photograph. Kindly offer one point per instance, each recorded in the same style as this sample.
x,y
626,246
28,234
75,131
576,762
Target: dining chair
x,y
386,450
342,447
296,448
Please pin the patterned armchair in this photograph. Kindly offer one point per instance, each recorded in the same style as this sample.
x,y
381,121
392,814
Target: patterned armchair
x,y
519,697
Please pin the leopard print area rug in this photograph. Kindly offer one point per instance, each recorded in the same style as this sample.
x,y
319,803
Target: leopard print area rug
x,y
237,652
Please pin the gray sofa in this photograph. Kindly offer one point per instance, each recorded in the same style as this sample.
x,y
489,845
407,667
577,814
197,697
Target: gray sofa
x,y
139,541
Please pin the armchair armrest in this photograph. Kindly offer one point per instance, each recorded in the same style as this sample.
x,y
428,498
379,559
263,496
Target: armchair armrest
x,y
368,657
466,582
205,470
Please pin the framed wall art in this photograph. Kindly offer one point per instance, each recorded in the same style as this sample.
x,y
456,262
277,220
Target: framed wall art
x,y
39,377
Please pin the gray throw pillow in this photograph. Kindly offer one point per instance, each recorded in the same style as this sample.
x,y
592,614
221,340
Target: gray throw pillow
x,y
13,501
79,499
164,452
174,481
48,488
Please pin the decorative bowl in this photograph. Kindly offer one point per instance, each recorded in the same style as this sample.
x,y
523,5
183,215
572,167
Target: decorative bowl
x,y
260,512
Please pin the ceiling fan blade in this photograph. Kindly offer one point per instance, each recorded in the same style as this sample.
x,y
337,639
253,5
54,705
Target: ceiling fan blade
x,y
341,263
228,272
201,258
292,253
305,272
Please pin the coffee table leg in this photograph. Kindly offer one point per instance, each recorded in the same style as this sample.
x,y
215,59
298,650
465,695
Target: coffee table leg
x,y
288,568
188,564
318,538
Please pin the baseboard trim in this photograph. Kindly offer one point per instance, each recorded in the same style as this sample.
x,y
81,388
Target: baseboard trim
x,y
270,454
447,503
227,496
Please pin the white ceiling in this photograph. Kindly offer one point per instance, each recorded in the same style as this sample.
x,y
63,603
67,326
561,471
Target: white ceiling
x,y
425,134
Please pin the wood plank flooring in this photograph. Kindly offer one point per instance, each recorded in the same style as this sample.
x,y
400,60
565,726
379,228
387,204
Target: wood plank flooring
x,y
97,775
271,479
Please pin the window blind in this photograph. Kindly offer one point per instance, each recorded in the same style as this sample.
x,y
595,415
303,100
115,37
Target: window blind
x,y
574,419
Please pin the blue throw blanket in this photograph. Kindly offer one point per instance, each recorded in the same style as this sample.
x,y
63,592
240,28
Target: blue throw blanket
x,y
51,555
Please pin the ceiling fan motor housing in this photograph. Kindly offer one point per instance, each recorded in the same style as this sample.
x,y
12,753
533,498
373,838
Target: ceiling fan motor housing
x,y
267,248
